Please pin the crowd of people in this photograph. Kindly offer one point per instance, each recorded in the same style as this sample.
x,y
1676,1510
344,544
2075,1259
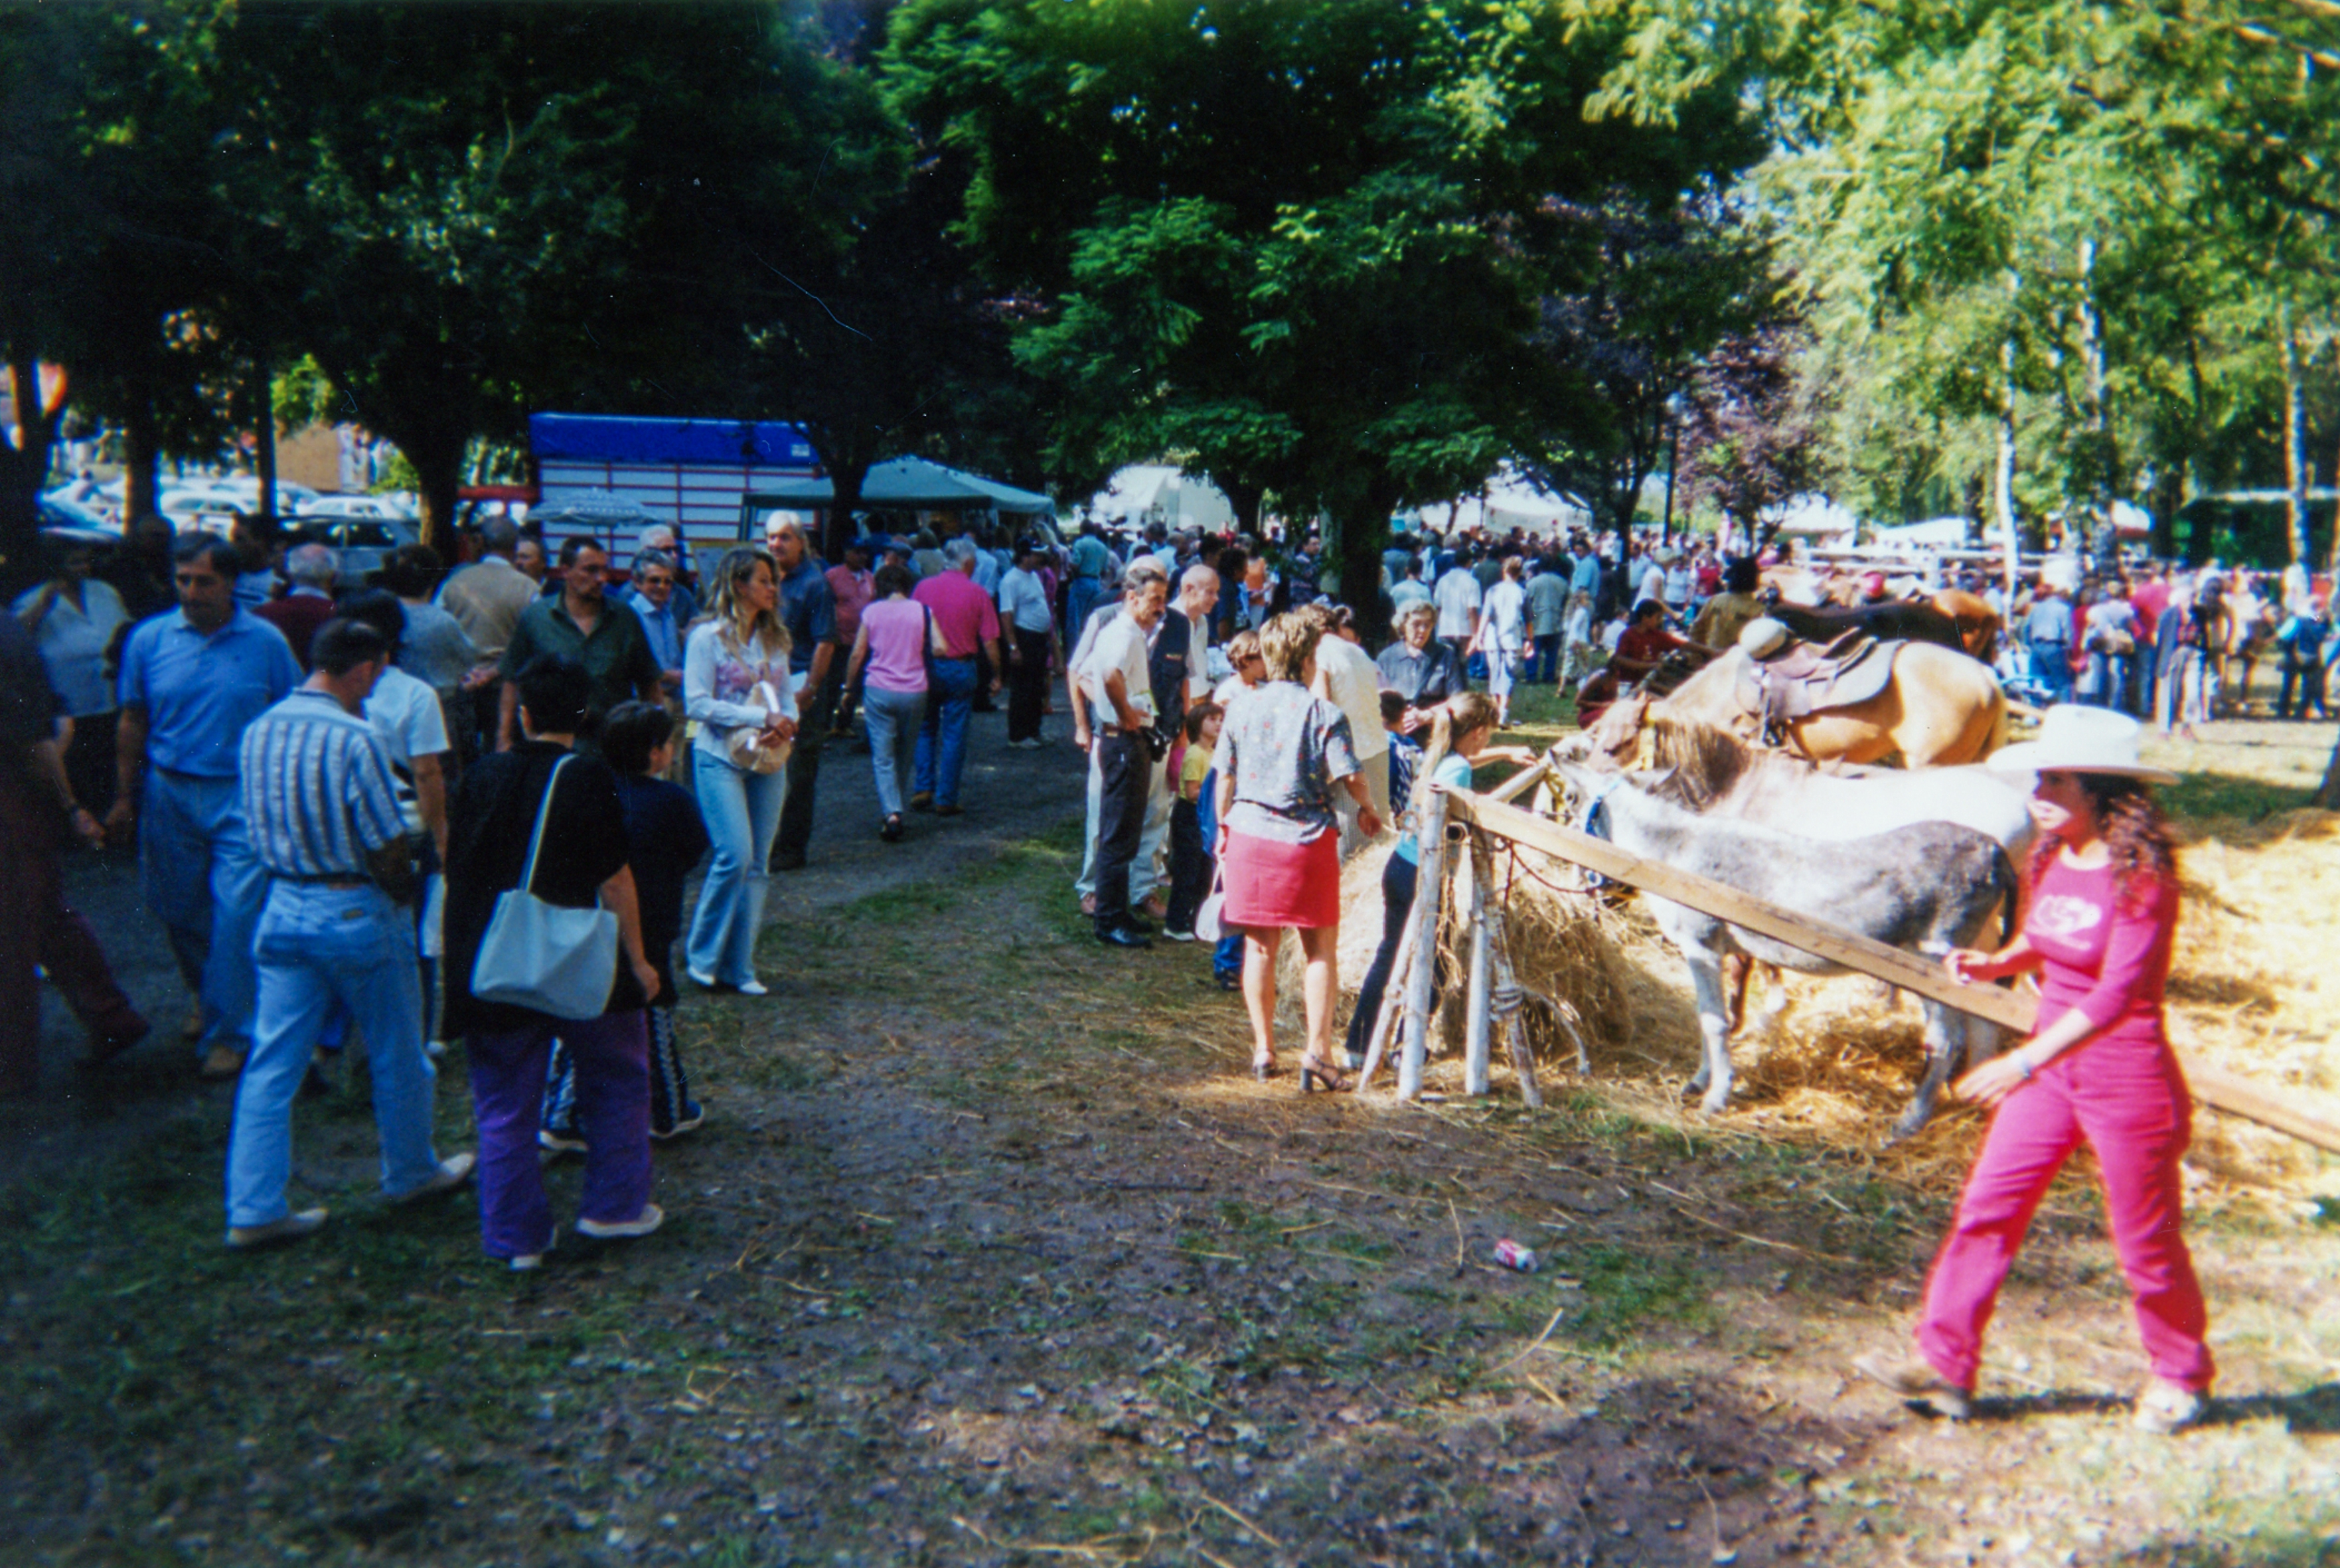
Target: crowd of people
x,y
358,807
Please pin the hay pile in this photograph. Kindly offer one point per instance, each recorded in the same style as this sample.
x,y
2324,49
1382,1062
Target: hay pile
x,y
1560,944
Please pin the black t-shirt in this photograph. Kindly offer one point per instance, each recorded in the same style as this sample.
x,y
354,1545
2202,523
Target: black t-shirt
x,y
664,838
490,824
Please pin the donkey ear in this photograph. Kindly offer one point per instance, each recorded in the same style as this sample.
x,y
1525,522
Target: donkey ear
x,y
1647,779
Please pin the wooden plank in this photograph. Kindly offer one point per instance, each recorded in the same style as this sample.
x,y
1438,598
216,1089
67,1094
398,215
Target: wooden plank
x,y
2305,1115
1478,1012
1910,972
1518,784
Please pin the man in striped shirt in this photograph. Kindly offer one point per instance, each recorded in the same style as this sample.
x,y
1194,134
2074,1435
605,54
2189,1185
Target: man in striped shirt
x,y
323,811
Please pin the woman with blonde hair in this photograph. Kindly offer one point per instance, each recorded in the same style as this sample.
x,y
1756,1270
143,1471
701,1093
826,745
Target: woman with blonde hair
x,y
1279,758
736,683
1460,729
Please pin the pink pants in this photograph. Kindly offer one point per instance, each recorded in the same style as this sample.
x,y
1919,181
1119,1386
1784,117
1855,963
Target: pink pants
x,y
2126,1100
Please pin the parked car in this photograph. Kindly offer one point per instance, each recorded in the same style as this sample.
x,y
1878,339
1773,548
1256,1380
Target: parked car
x,y
381,506
363,543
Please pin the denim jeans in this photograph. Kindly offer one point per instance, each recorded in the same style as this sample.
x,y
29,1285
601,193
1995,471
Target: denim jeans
x,y
2051,668
198,872
1544,668
742,810
942,733
320,949
614,1117
894,718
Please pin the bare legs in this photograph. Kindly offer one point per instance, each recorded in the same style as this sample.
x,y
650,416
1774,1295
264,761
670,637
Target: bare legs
x,y
1319,948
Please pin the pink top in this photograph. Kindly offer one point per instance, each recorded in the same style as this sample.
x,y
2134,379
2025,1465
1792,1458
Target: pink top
x,y
2107,962
851,590
897,663
964,611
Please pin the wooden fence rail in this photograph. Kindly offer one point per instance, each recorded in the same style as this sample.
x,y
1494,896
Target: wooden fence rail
x,y
2303,1116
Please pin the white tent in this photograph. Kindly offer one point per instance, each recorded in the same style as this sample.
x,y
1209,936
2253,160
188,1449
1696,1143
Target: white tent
x,y
1937,532
1511,501
1816,516
1148,492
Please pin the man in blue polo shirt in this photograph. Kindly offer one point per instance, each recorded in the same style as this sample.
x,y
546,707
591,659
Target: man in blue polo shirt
x,y
192,679
808,609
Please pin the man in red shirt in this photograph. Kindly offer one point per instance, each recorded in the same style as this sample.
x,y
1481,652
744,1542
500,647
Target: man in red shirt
x,y
849,585
968,623
312,570
1646,642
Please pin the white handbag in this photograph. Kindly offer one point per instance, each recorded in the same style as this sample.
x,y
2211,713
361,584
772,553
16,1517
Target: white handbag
x,y
1208,926
543,956
741,746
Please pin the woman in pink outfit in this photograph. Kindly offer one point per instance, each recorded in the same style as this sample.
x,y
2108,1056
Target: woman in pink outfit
x,y
2103,912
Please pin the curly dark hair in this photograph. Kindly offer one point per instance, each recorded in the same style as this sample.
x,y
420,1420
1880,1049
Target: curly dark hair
x,y
2129,820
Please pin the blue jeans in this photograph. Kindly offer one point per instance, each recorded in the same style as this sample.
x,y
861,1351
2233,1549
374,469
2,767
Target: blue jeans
x,y
198,872
322,950
1544,668
2051,669
1080,599
894,718
942,733
742,811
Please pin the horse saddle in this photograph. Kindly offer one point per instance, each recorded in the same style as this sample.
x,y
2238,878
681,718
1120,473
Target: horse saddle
x,y
1804,677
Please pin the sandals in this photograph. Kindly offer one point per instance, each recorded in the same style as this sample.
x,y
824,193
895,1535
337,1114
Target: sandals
x,y
1318,1074
892,831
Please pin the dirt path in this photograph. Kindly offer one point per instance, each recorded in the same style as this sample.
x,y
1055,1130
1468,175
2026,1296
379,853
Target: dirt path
x,y
990,1254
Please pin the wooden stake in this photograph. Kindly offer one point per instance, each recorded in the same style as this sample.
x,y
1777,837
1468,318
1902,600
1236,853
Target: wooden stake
x,y
1478,1019
1393,994
1430,887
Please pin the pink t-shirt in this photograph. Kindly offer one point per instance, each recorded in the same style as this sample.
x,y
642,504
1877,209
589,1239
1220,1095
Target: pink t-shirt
x,y
965,613
2108,961
897,663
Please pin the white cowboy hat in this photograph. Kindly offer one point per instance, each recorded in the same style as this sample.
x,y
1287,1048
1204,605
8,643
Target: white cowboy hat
x,y
2077,740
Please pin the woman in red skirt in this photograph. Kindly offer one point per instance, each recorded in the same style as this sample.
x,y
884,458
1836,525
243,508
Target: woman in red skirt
x,y
1281,755
2102,915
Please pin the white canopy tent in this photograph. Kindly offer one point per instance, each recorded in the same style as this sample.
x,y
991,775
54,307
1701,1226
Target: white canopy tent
x,y
1510,502
1148,492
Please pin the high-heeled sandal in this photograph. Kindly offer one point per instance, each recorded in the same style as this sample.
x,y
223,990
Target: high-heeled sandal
x,y
1316,1073
1262,1070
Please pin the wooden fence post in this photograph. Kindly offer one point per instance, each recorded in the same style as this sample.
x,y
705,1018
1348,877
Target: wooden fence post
x,y
1429,890
1478,1018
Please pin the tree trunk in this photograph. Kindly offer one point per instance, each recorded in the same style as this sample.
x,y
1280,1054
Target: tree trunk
x,y
845,481
263,439
2295,444
142,453
438,459
2002,471
1243,498
1357,536
24,470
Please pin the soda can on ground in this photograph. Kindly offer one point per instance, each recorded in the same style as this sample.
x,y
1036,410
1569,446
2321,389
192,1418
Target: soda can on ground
x,y
1512,1255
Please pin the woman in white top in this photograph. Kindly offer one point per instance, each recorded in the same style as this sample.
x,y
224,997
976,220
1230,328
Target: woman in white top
x,y
735,679
74,618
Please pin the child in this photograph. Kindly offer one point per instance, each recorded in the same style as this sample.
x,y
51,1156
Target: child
x,y
1190,851
666,837
1405,752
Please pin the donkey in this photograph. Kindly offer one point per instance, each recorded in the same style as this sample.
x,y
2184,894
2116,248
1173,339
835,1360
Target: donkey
x,y
1712,772
1927,888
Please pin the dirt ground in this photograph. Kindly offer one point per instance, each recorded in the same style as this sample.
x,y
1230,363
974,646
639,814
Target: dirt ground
x,y
990,1254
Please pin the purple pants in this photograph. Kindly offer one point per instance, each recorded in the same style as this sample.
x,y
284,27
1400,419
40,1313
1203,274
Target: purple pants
x,y
2126,1100
613,1116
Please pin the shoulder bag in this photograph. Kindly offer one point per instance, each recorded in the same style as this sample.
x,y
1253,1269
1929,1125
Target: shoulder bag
x,y
542,957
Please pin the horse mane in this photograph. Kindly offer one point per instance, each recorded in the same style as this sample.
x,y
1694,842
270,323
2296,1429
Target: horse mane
x,y
1700,764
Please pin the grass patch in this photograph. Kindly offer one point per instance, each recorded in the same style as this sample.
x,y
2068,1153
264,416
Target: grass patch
x,y
2197,796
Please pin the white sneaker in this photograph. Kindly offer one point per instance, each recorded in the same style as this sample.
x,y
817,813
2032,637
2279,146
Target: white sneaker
x,y
529,1261
291,1227
705,982
453,1172
2165,1408
753,988
649,1219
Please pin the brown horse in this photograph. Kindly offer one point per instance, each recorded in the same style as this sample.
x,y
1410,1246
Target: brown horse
x,y
1941,707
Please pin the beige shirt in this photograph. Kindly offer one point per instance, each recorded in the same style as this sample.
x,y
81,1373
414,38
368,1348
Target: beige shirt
x,y
1352,682
486,599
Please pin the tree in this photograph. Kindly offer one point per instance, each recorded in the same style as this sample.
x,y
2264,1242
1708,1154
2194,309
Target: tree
x,y
1752,433
1297,247
1644,293
463,212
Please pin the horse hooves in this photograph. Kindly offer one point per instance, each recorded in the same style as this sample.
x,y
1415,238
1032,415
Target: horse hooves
x,y
1714,1105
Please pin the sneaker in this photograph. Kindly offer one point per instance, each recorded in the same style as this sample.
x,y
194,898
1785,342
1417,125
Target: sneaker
x,y
700,978
1918,1385
2165,1408
752,987
560,1143
649,1219
291,1227
529,1261
453,1172
222,1063
693,1116
1177,935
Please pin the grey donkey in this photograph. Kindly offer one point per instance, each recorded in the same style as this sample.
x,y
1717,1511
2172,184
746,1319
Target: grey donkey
x,y
1927,888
